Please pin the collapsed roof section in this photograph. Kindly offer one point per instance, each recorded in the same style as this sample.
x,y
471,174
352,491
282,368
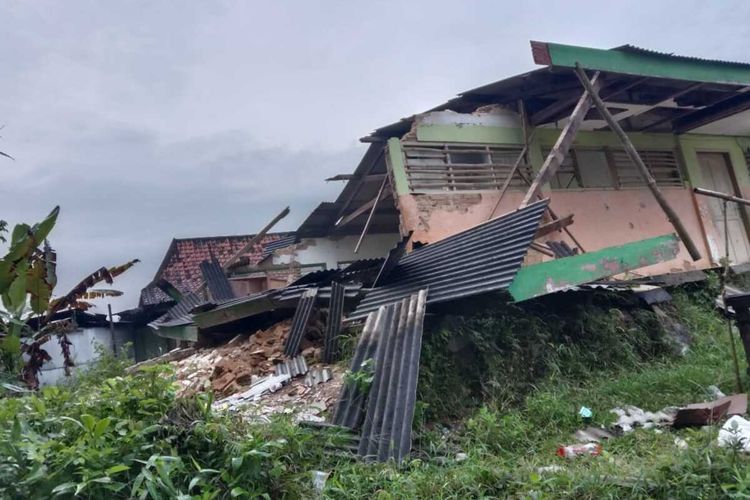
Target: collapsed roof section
x,y
349,214
650,91
181,264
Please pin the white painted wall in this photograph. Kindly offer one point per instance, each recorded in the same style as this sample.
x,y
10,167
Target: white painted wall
x,y
333,251
84,351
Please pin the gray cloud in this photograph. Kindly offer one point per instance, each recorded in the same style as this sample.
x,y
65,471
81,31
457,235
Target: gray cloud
x,y
148,120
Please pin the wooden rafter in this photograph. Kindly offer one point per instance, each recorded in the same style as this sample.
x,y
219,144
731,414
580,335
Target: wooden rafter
x,y
557,155
363,208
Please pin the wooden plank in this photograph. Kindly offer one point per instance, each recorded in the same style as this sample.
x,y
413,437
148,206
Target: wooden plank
x,y
362,209
255,239
635,157
557,155
354,177
555,225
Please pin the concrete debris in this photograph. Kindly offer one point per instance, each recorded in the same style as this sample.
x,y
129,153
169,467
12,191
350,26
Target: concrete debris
x,y
680,443
460,457
735,433
173,355
232,368
550,469
631,417
714,392
294,398
268,384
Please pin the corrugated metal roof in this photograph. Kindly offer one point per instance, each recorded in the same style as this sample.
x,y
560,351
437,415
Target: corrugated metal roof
x,y
272,246
333,326
640,50
386,431
482,259
216,281
299,322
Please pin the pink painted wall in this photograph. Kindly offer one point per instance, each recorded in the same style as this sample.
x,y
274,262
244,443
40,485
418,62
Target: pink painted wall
x,y
602,218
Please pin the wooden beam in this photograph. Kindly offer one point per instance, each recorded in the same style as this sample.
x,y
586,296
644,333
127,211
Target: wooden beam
x,y
555,225
659,104
362,209
355,177
608,91
356,189
723,196
691,112
636,159
255,239
728,107
564,141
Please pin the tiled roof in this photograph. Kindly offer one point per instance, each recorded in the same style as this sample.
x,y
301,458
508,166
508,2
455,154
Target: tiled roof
x,y
181,264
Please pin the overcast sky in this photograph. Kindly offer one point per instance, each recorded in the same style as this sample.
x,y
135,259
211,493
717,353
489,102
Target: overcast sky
x,y
152,120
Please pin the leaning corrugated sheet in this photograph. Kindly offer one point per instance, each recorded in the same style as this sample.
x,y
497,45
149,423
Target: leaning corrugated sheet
x,y
482,259
333,327
386,432
299,322
216,280
351,401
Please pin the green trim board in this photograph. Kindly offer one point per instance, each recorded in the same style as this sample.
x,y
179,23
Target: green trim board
x,y
395,159
181,332
560,274
642,63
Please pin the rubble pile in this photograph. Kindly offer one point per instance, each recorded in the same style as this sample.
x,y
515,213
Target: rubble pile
x,y
236,365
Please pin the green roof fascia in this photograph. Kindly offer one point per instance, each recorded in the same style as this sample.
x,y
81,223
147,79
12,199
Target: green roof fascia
x,y
560,274
187,332
642,64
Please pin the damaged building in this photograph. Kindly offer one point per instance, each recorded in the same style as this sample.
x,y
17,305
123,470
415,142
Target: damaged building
x,y
580,171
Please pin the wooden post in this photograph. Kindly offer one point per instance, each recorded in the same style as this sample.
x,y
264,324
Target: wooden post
x,y
636,159
557,155
112,330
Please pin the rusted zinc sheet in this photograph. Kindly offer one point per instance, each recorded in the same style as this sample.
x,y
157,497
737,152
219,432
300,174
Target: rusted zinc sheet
x,y
482,259
561,274
333,326
299,322
386,432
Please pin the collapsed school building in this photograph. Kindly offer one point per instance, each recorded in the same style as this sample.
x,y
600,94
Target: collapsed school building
x,y
581,173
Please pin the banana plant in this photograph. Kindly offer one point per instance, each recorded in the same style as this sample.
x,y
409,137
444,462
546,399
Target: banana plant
x,y
28,276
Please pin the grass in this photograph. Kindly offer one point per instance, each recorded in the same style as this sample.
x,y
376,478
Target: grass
x,y
500,388
506,445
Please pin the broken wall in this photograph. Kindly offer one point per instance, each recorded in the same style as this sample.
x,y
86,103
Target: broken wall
x,y
602,216
333,252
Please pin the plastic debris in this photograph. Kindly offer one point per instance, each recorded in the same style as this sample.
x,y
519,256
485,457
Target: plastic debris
x,y
735,433
680,443
575,450
551,469
714,392
631,417
592,435
585,413
460,457
319,479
